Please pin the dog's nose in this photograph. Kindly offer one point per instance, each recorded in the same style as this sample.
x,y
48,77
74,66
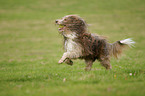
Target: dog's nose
x,y
56,21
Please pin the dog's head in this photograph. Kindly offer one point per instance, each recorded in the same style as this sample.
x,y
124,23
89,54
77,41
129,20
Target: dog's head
x,y
72,23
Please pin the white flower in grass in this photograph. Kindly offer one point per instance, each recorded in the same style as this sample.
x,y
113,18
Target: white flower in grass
x,y
130,74
64,79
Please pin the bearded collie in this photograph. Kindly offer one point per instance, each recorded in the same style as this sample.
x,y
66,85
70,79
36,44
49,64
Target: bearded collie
x,y
79,43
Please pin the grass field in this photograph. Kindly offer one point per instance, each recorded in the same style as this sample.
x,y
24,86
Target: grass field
x,y
30,48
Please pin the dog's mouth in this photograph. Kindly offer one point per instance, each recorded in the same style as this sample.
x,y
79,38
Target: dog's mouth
x,y
61,28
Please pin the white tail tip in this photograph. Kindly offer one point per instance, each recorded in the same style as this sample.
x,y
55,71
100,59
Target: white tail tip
x,y
128,42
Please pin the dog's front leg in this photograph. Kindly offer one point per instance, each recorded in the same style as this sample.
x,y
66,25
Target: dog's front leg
x,y
70,55
69,61
63,58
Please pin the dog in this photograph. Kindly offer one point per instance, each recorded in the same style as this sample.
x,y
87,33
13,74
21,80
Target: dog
x,y
80,44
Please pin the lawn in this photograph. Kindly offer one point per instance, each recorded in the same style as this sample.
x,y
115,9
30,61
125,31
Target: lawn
x,y
30,47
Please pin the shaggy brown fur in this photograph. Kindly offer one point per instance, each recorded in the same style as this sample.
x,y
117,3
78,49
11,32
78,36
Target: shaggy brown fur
x,y
78,43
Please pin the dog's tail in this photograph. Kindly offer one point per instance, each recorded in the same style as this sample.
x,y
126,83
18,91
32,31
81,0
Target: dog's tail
x,y
118,46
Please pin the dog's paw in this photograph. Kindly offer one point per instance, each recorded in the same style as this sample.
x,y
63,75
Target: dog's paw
x,y
69,62
60,61
88,69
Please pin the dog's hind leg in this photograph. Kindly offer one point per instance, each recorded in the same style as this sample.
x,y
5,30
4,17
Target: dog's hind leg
x,y
89,64
105,62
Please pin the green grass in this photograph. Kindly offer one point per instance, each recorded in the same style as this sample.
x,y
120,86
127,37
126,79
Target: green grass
x,y
30,48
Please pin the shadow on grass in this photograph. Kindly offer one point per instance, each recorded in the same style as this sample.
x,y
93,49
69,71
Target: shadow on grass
x,y
30,78
87,82
24,79
52,80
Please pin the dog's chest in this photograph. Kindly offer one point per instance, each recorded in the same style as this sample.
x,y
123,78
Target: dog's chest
x,y
70,45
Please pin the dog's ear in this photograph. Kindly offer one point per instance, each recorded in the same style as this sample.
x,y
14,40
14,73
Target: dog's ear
x,y
77,20
81,22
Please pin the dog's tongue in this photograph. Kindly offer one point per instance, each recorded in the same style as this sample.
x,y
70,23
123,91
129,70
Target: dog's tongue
x,y
60,28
